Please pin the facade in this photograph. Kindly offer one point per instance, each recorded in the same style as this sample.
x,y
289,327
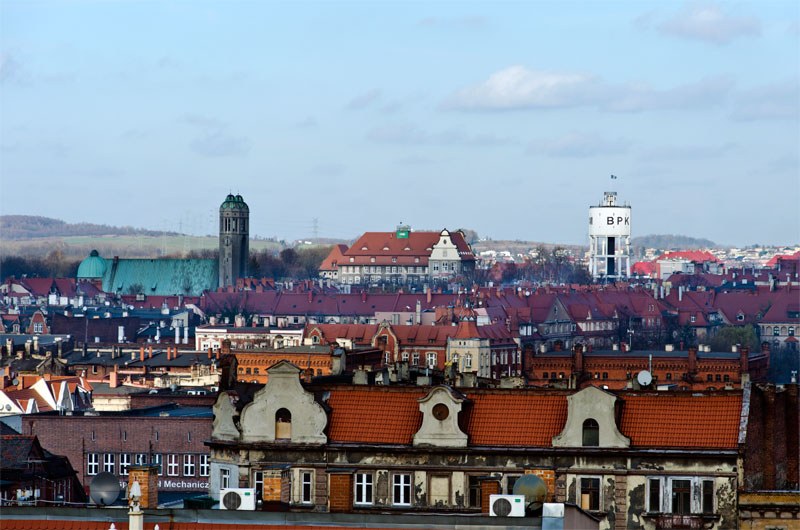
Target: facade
x,y
402,257
610,239
440,449
234,240
245,337
171,437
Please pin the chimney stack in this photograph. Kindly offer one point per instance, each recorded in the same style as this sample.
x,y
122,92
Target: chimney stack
x,y
578,357
141,353
744,359
692,360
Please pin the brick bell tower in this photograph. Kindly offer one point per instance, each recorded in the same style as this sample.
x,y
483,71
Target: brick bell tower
x,y
234,240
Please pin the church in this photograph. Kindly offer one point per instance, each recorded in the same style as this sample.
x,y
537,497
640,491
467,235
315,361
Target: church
x,y
187,277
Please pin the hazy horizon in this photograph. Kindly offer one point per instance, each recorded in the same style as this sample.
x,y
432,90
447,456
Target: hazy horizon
x,y
505,118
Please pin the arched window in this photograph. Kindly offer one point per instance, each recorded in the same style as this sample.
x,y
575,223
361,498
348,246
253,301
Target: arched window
x,y
455,359
283,424
591,433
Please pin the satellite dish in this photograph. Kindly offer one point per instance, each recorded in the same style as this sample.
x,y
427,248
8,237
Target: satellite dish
x,y
534,489
104,489
15,381
644,378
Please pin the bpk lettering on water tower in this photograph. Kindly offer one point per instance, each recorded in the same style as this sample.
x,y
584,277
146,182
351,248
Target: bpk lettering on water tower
x,y
610,239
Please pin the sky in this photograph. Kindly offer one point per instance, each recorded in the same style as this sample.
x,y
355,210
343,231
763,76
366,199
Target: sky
x,y
336,118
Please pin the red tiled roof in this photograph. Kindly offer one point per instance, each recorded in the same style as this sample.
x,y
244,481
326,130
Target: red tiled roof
x,y
336,255
682,420
789,257
387,248
374,415
529,419
698,256
644,268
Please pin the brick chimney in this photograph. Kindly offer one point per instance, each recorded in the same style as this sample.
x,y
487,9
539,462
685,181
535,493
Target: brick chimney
x,y
147,476
744,359
113,378
141,353
577,358
489,486
692,360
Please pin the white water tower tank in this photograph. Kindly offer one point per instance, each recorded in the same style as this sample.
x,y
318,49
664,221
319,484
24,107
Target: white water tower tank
x,y
610,239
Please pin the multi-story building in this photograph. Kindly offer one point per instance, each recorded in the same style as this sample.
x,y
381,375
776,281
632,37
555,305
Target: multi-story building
x,y
403,257
234,240
169,436
636,460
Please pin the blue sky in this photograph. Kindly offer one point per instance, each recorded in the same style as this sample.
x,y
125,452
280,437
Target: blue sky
x,y
507,118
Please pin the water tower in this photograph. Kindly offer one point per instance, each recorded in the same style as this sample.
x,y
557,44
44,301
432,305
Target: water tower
x,y
610,239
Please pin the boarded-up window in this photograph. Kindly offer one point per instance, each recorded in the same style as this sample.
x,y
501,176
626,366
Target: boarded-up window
x,y
439,489
283,424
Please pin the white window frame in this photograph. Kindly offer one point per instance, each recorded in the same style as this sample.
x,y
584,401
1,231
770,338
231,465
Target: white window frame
x,y
92,463
140,459
124,463
189,467
306,486
109,463
364,489
205,466
648,491
431,359
157,459
224,478
401,483
695,494
173,465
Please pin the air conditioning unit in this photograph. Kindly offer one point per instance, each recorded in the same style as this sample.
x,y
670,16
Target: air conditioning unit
x,y
237,499
507,505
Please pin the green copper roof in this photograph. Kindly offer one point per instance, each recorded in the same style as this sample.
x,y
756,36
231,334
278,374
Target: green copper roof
x,y
92,267
234,202
163,277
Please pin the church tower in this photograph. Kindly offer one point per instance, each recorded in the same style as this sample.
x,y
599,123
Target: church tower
x,y
234,240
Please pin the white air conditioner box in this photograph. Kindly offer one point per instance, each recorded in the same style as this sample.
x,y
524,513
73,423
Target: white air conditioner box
x,y
237,499
507,505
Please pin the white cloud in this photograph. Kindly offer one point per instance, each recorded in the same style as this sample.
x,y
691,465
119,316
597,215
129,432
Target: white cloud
x,y
579,145
519,87
364,100
688,152
707,22
405,133
777,101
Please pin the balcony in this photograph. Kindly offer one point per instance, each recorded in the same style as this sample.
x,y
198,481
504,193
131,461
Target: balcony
x,y
684,522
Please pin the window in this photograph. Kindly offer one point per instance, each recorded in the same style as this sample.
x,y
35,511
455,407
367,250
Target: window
x,y
363,488
669,377
283,424
710,378
431,359
108,463
590,493
708,496
474,491
791,331
306,481
510,481
415,358
692,319
591,433
92,464
258,483
404,356
172,465
156,460
188,465
401,489
124,463
654,495
468,361
141,459
205,468
224,478
545,375
681,496
776,331
38,327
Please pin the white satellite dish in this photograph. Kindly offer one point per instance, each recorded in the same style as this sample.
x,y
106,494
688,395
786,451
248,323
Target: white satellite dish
x,y
644,378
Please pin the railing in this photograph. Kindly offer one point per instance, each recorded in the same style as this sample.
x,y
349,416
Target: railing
x,y
691,522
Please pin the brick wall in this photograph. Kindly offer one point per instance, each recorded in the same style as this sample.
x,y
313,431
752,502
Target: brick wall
x,y
340,494
549,478
77,436
147,476
272,486
488,487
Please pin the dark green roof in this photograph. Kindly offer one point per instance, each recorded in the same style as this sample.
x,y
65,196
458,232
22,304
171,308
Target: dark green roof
x,y
163,277
234,202
92,267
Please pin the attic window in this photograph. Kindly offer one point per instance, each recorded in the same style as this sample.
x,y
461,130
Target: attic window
x,y
385,248
394,259
740,317
407,248
352,260
591,433
364,248
372,260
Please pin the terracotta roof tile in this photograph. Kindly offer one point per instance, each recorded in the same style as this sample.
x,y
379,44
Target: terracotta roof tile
x,y
519,420
682,421
374,415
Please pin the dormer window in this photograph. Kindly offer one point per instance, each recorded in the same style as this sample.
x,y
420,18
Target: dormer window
x,y
364,248
591,433
283,424
372,260
352,260
740,317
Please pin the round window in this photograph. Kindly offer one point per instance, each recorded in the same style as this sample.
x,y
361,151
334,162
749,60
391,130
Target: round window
x,y
440,411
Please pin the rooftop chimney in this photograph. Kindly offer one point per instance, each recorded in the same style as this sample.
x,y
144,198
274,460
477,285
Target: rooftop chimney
x,y
692,360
